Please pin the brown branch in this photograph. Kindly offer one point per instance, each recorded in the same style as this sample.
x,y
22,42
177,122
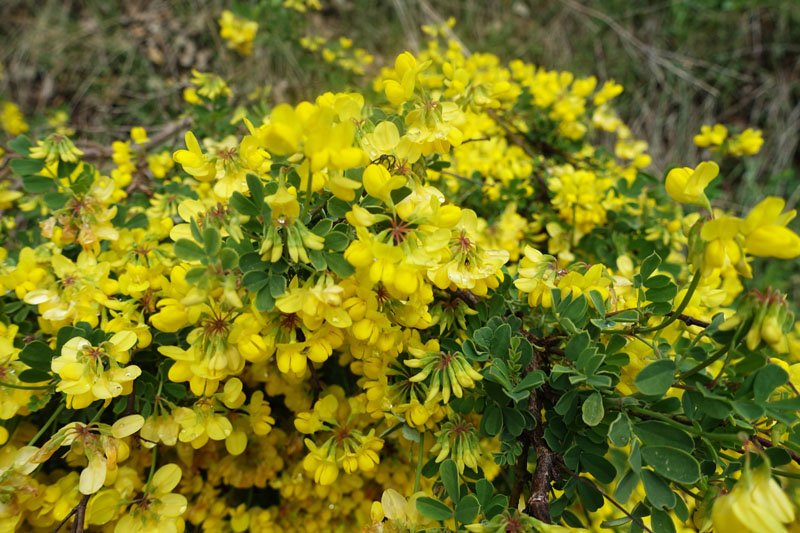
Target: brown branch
x,y
692,321
467,297
547,461
80,515
97,151
766,443
79,511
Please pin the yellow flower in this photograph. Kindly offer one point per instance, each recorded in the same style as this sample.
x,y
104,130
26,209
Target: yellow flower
x,y
11,119
756,504
379,183
159,509
238,32
193,161
765,231
711,135
746,143
90,373
139,135
688,186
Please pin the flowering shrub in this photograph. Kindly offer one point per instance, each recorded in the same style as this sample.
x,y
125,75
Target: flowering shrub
x,y
454,301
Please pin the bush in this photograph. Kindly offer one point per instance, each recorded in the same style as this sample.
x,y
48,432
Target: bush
x,y
454,300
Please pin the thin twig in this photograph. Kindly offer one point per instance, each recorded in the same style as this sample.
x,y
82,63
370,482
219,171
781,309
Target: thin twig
x,y
95,151
80,516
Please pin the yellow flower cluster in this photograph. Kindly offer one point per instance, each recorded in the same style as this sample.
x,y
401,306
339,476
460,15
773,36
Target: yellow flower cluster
x,y
340,53
253,332
715,137
238,32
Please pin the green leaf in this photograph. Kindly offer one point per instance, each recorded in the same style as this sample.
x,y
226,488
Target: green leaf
x,y
592,410
55,200
251,261
656,433
649,265
467,509
339,265
492,420
501,340
662,521
21,145
188,250
657,282
629,315
256,188
26,167
37,355
576,345
448,473
576,310
672,463
591,498
531,381
748,410
38,184
196,276
336,241
656,378
483,337
484,491
625,486
600,467
322,227
212,241
597,302
657,490
228,258
318,259
255,280
277,286
264,300
514,421
433,509
244,205
33,375
619,432
412,435
766,380
662,294
337,208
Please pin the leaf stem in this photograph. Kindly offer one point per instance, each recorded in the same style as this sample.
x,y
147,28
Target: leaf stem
x,y
47,424
24,387
678,312
418,475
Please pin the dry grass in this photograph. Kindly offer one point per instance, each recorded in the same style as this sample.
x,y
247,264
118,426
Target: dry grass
x,y
684,63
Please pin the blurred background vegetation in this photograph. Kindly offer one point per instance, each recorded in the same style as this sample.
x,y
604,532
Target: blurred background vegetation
x,y
684,63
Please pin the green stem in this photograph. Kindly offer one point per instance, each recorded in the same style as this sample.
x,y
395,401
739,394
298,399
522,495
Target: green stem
x,y
783,473
681,307
711,360
152,465
418,475
391,430
674,423
47,424
97,415
24,387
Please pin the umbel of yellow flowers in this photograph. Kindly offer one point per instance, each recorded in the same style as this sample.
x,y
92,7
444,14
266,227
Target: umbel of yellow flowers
x,y
756,503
